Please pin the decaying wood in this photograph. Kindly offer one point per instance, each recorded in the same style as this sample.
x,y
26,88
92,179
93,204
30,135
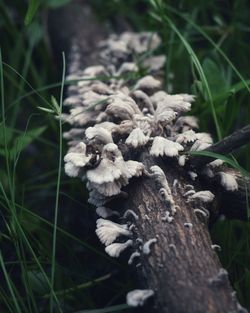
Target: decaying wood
x,y
182,268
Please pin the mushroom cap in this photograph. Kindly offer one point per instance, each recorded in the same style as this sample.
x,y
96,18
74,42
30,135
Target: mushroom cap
x,y
115,249
105,172
137,138
162,146
138,297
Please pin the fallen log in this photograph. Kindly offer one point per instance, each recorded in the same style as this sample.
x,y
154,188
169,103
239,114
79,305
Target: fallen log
x,y
163,207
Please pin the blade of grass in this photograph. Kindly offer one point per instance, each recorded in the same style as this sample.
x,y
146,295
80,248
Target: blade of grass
x,y
223,158
214,44
9,284
34,90
3,119
28,245
160,17
32,9
53,259
81,286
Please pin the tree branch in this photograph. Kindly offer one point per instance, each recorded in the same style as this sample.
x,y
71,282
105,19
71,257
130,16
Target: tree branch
x,y
232,142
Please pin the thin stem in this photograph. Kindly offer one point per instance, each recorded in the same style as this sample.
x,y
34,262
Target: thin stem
x,y
57,191
6,276
3,118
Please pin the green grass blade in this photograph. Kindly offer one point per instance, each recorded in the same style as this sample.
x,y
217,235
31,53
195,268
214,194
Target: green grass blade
x,y
9,284
197,64
32,9
223,158
214,44
53,259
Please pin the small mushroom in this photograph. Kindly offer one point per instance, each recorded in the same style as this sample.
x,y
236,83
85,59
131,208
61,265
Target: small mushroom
x,y
115,249
138,297
228,181
162,146
154,63
127,67
76,160
186,137
203,196
185,123
146,247
143,100
167,217
99,133
137,138
107,231
148,83
134,255
178,103
132,213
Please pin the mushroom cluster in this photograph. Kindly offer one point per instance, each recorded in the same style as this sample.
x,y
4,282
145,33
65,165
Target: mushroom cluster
x,y
116,109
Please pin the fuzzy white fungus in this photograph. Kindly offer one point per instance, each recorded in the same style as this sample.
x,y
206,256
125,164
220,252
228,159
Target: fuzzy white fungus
x,y
115,249
147,245
107,231
138,297
137,138
204,196
228,181
162,146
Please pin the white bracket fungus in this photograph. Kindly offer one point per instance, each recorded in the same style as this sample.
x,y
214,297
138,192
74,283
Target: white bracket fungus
x,y
134,255
192,175
107,231
160,177
143,100
228,181
167,217
186,137
165,147
148,83
74,161
188,225
203,196
138,297
189,192
154,63
147,245
137,138
182,160
132,213
165,190
176,184
201,212
98,133
216,247
115,249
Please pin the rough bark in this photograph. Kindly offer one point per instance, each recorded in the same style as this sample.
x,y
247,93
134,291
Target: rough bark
x,y
182,268
75,23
